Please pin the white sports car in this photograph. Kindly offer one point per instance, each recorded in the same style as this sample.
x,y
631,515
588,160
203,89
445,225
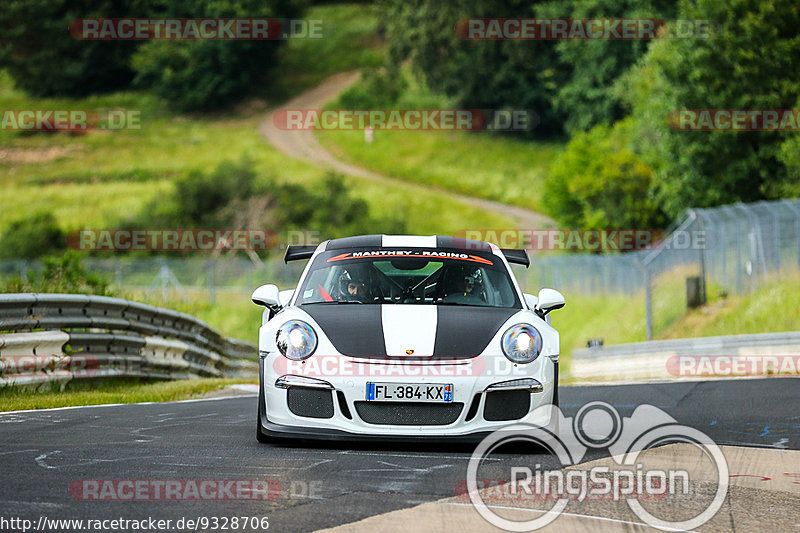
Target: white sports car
x,y
404,338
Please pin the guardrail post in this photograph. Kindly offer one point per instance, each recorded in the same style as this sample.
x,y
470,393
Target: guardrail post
x,y
796,211
118,274
210,275
702,251
648,304
648,297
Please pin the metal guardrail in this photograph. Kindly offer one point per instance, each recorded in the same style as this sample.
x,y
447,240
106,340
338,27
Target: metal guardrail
x,y
661,359
54,338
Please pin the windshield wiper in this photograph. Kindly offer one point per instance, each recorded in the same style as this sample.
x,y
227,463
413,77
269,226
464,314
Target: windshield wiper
x,y
334,302
462,304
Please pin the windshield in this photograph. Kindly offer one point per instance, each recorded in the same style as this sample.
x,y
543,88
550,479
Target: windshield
x,y
433,277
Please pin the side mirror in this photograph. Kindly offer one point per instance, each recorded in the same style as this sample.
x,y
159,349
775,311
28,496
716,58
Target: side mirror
x,y
531,301
267,295
549,300
285,297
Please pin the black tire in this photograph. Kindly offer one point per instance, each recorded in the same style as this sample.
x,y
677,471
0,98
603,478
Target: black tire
x,y
262,437
555,425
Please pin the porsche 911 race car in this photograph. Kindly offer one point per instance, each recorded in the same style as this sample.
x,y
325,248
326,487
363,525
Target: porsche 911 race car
x,y
405,338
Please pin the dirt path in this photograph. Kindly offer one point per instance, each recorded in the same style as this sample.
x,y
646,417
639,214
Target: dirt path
x,y
304,145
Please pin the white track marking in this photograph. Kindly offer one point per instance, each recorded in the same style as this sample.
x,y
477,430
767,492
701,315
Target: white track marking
x,y
40,460
415,456
576,515
19,451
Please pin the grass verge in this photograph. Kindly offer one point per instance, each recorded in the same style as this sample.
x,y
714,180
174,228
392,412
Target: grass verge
x,y
770,309
502,168
112,391
95,179
349,42
232,313
620,319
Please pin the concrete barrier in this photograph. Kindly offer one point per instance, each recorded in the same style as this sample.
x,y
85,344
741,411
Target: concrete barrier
x,y
761,354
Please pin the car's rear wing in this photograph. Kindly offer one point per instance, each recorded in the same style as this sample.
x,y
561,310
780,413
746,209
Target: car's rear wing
x,y
297,252
519,257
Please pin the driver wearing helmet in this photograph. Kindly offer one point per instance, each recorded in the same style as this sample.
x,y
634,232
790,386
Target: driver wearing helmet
x,y
460,285
354,285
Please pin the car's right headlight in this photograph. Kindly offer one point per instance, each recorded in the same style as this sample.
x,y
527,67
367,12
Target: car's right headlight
x,y
522,343
296,340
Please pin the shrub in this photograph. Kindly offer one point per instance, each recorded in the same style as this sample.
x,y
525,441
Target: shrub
x,y
234,195
199,196
32,237
61,274
376,90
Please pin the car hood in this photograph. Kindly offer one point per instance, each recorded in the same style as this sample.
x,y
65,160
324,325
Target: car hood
x,y
378,331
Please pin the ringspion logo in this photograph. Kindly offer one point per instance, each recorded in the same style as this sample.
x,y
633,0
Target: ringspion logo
x,y
597,425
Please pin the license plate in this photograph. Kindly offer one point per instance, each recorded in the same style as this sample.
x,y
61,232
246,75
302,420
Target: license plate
x,y
410,392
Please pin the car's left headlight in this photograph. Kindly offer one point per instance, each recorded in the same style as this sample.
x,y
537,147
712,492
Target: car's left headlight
x,y
522,343
296,340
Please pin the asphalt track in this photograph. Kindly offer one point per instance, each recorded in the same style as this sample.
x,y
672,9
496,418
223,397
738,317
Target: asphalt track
x,y
321,485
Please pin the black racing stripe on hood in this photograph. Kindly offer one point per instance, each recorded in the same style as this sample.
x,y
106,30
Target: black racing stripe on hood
x,y
465,331
355,330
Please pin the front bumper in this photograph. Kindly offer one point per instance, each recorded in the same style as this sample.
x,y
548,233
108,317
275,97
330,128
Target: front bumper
x,y
343,421
330,434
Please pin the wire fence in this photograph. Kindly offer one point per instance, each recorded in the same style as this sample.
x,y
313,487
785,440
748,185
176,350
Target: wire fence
x,y
732,249
178,277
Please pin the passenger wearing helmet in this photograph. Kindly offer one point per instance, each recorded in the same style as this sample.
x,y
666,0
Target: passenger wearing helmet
x,y
354,285
460,285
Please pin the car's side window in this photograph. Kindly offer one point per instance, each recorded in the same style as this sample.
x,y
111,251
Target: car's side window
x,y
317,279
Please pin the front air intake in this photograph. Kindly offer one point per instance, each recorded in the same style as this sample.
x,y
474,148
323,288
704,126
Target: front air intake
x,y
409,413
311,403
506,405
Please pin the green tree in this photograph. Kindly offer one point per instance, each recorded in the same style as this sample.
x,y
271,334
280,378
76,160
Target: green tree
x,y
488,74
589,95
751,60
45,60
790,157
206,74
599,183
